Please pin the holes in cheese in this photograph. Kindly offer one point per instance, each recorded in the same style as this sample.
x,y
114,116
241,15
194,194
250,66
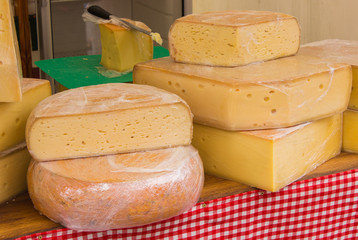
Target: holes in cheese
x,y
117,191
15,114
274,94
107,119
268,159
233,38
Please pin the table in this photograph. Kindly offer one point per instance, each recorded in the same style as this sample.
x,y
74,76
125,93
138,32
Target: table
x,y
19,218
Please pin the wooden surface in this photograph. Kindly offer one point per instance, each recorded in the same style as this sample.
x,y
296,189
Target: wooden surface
x,y
319,19
19,218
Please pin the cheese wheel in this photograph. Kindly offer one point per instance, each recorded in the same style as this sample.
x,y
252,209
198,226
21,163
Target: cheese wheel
x,y
117,191
107,119
233,38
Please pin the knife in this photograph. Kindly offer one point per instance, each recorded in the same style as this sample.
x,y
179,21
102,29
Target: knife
x,y
101,13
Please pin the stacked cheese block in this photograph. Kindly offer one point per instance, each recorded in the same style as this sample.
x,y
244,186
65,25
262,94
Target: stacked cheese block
x,y
264,124
17,98
342,51
123,157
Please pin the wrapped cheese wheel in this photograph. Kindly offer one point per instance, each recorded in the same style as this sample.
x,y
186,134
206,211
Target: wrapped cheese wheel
x,y
117,191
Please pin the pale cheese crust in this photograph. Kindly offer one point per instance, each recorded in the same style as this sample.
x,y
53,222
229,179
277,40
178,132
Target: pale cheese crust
x,y
117,191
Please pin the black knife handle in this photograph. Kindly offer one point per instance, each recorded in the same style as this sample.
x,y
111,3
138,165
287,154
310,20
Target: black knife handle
x,y
99,12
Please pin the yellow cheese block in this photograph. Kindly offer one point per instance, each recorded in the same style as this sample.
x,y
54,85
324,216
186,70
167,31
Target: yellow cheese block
x,y
342,51
117,191
13,168
14,115
350,131
277,93
107,119
122,48
233,38
10,65
268,159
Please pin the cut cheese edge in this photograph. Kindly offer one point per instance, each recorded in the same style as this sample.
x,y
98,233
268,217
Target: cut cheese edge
x,y
268,159
13,122
13,168
107,119
117,191
337,50
350,131
123,48
10,61
233,38
273,94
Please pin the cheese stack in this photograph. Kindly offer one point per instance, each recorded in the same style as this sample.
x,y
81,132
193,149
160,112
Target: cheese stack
x,y
342,51
264,124
123,157
14,157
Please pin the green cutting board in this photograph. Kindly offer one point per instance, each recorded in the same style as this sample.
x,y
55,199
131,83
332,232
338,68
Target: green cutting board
x,y
73,72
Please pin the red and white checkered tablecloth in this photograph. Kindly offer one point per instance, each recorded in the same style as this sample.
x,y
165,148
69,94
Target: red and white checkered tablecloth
x,y
319,208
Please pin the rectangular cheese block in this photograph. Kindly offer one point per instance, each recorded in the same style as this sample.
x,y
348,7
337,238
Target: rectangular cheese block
x,y
10,61
272,94
107,119
233,38
14,115
123,48
13,168
350,131
342,51
268,159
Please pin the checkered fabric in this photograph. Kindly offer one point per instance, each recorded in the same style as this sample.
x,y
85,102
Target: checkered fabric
x,y
319,208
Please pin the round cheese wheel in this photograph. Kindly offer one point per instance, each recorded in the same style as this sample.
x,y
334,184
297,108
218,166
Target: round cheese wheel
x,y
117,191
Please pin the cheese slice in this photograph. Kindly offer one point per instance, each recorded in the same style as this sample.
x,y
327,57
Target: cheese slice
x,y
117,191
268,159
107,119
233,38
10,65
272,94
13,168
337,50
350,131
14,115
123,48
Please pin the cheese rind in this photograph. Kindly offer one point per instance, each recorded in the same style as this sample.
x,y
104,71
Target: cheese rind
x,y
13,168
10,65
337,50
107,119
117,191
350,131
233,38
13,122
268,159
277,93
123,48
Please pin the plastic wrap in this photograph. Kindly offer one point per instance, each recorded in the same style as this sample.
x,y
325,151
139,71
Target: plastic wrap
x,y
272,94
10,60
233,38
268,159
337,50
117,191
107,119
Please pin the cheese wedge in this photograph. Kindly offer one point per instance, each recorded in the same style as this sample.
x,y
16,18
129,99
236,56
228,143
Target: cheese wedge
x,y
107,119
117,191
233,38
123,48
10,61
350,131
342,51
268,159
14,115
13,168
272,94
